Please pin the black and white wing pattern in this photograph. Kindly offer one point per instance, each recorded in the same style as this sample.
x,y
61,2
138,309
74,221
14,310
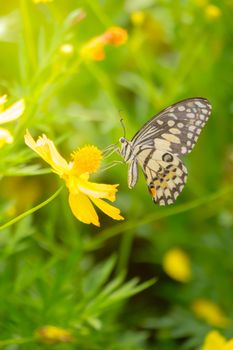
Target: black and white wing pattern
x,y
156,147
165,175
176,128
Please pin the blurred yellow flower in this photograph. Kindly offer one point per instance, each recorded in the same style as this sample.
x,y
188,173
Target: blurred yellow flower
x,y
53,335
94,49
215,341
7,115
212,12
82,192
137,18
210,312
176,264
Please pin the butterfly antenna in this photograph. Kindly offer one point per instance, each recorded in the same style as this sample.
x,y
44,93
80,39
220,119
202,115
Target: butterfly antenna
x,y
109,150
123,125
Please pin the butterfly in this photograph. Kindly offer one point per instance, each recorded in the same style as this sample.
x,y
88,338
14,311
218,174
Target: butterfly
x,y
157,146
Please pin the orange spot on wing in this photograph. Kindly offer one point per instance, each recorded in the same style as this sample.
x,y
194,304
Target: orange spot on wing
x,y
152,191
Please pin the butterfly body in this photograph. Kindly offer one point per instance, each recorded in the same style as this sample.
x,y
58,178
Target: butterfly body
x,y
157,146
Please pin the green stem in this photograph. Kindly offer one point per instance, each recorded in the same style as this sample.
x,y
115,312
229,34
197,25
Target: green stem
x,y
125,250
32,210
155,216
28,34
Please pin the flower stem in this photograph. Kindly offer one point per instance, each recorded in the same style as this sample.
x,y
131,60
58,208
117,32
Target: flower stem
x,y
32,210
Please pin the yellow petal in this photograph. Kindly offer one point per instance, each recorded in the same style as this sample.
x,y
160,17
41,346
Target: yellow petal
x,y
97,190
214,341
13,112
229,345
108,209
5,137
83,209
47,150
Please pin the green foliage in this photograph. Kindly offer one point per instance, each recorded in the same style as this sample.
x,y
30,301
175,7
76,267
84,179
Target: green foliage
x,y
99,283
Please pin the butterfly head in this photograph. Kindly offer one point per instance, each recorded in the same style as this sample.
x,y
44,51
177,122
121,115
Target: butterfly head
x,y
122,140
126,149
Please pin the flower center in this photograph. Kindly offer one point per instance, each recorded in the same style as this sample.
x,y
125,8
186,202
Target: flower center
x,y
86,160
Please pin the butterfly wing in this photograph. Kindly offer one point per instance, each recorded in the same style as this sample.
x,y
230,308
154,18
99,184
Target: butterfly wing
x,y
165,175
176,128
159,143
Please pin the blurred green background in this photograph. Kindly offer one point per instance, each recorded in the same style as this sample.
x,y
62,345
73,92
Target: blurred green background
x,y
97,283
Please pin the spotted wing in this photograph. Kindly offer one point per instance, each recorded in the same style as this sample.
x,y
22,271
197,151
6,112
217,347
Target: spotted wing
x,y
165,175
176,128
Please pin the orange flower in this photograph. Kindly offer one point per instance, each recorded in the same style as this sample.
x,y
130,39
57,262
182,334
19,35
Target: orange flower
x,y
115,36
94,49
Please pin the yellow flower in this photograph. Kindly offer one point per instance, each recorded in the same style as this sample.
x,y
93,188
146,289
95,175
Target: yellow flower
x,y
53,335
7,115
137,18
210,312
82,192
94,49
176,264
215,341
212,12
